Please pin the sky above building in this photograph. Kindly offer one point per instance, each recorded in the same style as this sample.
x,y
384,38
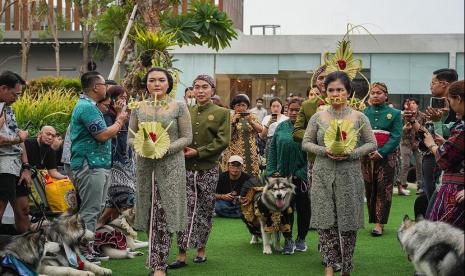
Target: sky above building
x,y
379,16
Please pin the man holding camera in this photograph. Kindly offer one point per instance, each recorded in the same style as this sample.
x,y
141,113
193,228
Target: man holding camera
x,y
15,174
409,146
229,187
439,115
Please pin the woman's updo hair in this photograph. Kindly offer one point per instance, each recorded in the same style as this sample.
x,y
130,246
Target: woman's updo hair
x,y
240,98
342,77
456,89
167,74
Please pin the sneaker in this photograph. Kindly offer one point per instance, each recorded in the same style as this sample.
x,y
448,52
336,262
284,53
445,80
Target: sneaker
x,y
403,192
289,247
420,191
300,245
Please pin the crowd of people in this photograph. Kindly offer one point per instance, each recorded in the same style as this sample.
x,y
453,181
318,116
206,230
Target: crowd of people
x,y
214,151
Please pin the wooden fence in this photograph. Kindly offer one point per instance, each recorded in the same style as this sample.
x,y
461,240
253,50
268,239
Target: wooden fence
x,y
70,14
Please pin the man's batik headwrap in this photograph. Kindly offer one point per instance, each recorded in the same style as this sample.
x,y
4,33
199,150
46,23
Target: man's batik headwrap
x,y
205,78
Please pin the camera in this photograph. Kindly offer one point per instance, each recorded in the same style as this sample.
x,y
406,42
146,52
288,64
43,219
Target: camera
x,y
436,102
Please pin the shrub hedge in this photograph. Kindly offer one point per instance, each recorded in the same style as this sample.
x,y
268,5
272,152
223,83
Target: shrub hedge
x,y
49,83
45,107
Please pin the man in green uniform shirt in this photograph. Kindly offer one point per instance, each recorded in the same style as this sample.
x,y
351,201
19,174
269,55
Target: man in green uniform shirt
x,y
379,167
211,135
309,107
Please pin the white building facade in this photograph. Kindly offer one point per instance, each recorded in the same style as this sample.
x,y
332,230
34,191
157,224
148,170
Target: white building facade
x,y
267,66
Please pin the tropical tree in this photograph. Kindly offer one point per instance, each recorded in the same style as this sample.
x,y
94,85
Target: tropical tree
x,y
25,32
55,24
6,5
88,13
158,28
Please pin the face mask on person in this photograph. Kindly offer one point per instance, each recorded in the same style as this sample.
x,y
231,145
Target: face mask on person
x,y
191,101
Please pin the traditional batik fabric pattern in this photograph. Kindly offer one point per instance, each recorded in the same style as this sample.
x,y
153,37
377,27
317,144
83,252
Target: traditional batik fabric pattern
x,y
244,144
201,187
159,236
450,158
379,183
337,247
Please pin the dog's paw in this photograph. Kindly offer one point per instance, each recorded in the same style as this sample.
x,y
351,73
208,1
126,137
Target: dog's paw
x,y
137,253
89,235
104,271
254,240
267,250
52,247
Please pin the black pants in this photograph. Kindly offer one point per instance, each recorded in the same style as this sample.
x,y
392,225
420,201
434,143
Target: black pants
x,y
431,175
301,205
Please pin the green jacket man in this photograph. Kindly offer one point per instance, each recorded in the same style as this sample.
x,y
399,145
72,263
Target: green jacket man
x,y
309,107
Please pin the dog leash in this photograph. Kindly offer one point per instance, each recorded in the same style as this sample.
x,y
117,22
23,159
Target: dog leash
x,y
44,216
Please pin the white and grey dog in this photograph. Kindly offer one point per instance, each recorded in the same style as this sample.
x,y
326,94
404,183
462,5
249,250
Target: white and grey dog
x,y
270,212
28,248
124,225
435,248
68,230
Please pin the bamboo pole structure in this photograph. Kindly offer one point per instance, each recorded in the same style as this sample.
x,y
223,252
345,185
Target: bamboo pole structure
x,y
119,54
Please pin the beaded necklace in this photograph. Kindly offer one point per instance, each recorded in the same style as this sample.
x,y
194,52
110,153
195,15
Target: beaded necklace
x,y
339,114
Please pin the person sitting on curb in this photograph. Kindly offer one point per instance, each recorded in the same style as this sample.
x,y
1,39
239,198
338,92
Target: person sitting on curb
x,y
229,187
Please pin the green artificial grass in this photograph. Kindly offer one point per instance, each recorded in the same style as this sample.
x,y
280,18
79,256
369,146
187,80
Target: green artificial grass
x,y
229,252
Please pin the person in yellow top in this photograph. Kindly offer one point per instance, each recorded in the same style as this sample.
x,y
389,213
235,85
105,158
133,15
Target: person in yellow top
x,y
244,129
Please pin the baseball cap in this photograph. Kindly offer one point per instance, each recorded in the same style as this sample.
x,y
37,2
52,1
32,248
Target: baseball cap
x,y
236,158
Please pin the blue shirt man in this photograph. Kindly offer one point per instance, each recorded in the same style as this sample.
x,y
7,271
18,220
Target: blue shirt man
x,y
91,148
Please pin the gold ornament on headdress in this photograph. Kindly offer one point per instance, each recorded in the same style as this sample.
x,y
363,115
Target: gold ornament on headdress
x,y
343,60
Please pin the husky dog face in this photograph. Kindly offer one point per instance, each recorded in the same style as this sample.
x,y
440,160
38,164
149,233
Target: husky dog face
x,y
433,247
28,247
129,215
277,193
68,228
406,224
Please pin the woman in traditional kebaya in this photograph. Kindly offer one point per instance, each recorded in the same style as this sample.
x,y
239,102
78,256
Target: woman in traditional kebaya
x,y
337,191
161,205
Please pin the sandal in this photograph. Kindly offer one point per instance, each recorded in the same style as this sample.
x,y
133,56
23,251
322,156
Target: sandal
x,y
376,233
177,264
199,259
336,267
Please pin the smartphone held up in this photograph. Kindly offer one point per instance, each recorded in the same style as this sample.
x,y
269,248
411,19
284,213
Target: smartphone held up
x,y
436,102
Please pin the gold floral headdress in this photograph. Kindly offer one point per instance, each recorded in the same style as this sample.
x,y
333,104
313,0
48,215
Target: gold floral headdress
x,y
343,60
